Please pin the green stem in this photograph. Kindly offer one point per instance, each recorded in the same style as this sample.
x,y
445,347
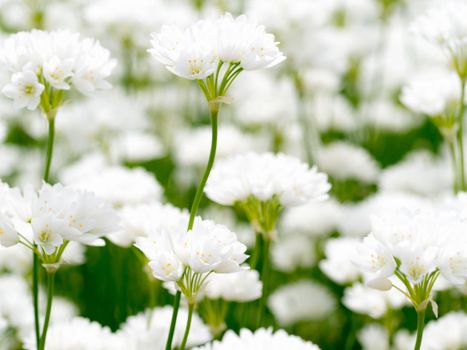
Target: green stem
x,y
173,322
254,261
188,326
420,327
207,171
35,296
460,138
265,274
50,148
452,151
35,259
194,210
50,292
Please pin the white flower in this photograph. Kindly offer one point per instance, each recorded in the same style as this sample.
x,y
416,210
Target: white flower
x,y
241,286
144,219
60,59
301,301
56,214
338,262
78,333
433,93
261,339
264,176
149,329
374,336
419,172
312,219
371,302
195,52
343,161
292,252
24,89
8,235
117,184
422,240
208,247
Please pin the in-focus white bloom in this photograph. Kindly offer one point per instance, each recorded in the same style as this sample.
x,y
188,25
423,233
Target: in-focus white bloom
x,y
207,248
262,339
58,59
301,301
149,329
24,89
55,215
264,176
195,52
418,242
241,286
343,161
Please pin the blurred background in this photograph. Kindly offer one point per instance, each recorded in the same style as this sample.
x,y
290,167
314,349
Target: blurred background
x,y
335,103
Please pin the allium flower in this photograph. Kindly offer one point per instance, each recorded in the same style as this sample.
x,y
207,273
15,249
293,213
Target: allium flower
x,y
42,62
118,185
79,333
301,301
148,330
336,265
241,286
371,302
194,52
434,93
374,336
444,26
262,339
187,256
54,216
279,179
292,252
343,161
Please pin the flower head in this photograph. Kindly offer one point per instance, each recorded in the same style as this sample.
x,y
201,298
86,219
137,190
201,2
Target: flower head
x,y
59,59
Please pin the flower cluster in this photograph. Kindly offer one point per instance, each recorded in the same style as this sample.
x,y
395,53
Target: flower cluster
x,y
416,245
261,339
45,64
52,217
259,182
195,52
188,257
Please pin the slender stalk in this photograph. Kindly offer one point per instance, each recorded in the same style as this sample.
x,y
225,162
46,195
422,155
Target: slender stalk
x,y
50,292
452,151
173,322
188,326
207,171
50,149
460,137
35,259
256,256
35,296
193,211
420,327
265,274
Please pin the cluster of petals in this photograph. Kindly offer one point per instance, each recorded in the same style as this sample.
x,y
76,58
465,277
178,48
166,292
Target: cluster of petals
x,y
59,59
265,176
418,242
194,52
55,214
208,247
259,340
